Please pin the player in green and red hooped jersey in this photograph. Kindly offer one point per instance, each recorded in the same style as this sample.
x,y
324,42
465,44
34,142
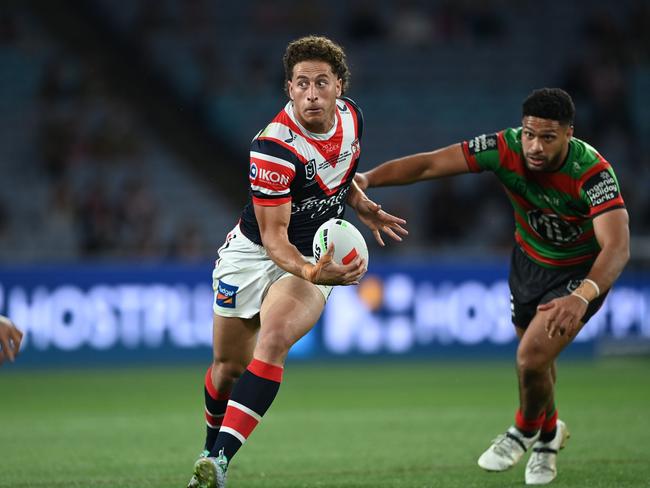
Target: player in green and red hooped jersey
x,y
572,242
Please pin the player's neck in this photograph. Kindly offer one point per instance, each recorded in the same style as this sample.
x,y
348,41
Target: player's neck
x,y
320,129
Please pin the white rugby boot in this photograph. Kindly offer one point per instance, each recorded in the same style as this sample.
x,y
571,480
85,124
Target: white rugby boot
x,y
506,450
541,468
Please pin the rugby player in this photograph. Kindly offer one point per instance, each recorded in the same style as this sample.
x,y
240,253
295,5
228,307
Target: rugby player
x,y
10,339
268,290
572,242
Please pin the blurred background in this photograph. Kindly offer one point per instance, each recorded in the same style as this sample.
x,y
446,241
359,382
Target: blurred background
x,y
123,152
124,136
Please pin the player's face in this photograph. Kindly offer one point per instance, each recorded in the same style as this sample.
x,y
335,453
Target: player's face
x,y
314,89
545,143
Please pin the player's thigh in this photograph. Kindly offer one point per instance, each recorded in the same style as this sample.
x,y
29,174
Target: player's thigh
x,y
536,351
290,309
233,339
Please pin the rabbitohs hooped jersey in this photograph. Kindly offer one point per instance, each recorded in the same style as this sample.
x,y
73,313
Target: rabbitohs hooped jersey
x,y
311,171
554,210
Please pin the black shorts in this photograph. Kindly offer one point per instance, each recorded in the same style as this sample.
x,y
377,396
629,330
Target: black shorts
x,y
532,284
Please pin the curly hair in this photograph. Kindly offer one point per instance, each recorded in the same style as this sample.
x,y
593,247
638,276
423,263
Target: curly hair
x,y
316,48
550,103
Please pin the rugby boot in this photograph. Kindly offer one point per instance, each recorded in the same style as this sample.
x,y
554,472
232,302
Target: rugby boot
x,y
506,450
541,468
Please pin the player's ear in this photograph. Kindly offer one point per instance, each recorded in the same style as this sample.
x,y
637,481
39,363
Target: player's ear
x,y
290,89
569,132
339,87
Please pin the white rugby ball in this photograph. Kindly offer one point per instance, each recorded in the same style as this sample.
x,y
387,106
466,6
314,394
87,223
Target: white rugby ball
x,y
348,241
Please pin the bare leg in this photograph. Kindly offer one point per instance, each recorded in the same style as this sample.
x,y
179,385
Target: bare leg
x,y
536,356
233,342
552,372
289,310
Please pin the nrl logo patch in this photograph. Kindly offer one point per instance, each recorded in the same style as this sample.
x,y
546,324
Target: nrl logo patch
x,y
310,169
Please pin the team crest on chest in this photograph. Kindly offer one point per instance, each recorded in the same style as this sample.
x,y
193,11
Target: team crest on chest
x,y
356,149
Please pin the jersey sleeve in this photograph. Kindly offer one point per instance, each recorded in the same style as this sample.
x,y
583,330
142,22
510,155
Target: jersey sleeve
x,y
272,169
599,189
484,152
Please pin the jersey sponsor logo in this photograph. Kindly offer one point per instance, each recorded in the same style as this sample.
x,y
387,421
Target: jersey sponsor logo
x,y
226,295
272,177
334,160
253,172
343,107
330,146
482,143
601,188
552,228
322,206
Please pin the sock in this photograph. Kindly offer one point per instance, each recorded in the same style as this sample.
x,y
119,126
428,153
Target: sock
x,y
549,427
251,398
215,409
526,426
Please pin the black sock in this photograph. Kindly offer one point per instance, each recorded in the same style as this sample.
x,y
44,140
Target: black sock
x,y
215,409
251,398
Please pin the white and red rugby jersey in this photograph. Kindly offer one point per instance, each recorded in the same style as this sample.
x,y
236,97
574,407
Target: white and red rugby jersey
x,y
312,171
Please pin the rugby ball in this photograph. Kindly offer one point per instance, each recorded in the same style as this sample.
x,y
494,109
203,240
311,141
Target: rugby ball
x,y
348,241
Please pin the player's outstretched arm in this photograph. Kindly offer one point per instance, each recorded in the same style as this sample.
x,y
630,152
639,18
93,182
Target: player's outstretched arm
x,y
372,215
613,235
274,224
10,339
447,161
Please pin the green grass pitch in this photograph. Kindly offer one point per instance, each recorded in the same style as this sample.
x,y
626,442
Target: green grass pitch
x,y
395,424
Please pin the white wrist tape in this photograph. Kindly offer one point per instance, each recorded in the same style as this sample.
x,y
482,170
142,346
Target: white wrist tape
x,y
594,284
580,297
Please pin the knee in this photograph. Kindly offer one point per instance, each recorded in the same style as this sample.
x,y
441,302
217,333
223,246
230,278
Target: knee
x,y
225,372
532,361
274,343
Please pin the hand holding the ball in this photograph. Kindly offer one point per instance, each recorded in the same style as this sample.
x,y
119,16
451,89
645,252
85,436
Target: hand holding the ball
x,y
327,272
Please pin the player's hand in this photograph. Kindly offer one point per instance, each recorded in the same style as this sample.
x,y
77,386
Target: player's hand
x,y
328,272
563,315
10,339
371,214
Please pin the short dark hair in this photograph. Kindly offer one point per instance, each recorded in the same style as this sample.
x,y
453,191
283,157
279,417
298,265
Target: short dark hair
x,y
316,48
550,103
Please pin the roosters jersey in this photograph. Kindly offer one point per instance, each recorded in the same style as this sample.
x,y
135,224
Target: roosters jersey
x,y
554,211
313,172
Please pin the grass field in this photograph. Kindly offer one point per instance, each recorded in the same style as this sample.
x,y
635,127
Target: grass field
x,y
353,425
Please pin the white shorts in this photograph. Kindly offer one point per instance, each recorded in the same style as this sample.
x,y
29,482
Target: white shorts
x,y
243,275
